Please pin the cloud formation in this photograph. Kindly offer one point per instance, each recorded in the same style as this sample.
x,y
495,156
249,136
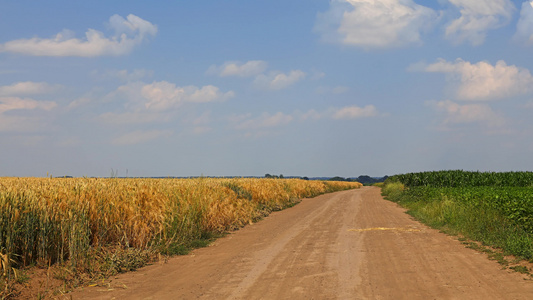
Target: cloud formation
x,y
157,101
374,23
129,33
276,80
355,112
124,75
483,81
28,88
524,27
265,120
477,18
468,113
247,69
273,80
16,103
21,122
163,95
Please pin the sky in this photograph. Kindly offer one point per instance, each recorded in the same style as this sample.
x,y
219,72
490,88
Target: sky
x,y
245,88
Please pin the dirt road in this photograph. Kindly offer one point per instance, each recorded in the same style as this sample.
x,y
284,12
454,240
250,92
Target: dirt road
x,y
345,245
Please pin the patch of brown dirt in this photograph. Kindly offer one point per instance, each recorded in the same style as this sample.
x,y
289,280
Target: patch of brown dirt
x,y
345,245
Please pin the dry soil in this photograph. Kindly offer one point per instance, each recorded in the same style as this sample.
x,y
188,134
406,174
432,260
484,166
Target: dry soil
x,y
344,245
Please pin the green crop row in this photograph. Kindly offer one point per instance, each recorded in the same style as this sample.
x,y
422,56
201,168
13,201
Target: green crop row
x,y
493,208
459,178
513,203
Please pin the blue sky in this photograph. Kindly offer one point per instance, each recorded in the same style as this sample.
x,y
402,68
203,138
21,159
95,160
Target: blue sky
x,y
239,88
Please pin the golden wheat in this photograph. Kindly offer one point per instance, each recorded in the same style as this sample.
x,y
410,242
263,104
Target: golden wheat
x,y
48,220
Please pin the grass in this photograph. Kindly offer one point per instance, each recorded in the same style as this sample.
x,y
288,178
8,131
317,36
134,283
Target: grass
x,y
495,220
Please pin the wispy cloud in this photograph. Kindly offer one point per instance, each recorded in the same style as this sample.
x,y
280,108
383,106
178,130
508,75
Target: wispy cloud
x,y
247,69
272,80
21,121
158,101
483,81
277,80
201,123
374,24
524,27
28,88
354,112
332,90
16,103
477,18
129,33
279,119
137,117
164,95
455,113
265,120
124,75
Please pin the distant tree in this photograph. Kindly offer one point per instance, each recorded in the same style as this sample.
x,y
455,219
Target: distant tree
x,y
274,176
305,178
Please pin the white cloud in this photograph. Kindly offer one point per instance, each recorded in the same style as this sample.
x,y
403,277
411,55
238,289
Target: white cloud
x,y
263,124
129,33
203,119
374,23
317,75
354,112
79,102
469,113
340,89
133,117
20,122
124,75
478,17
266,120
483,81
28,88
157,101
201,123
277,80
337,90
163,95
309,115
16,103
248,69
524,27
141,136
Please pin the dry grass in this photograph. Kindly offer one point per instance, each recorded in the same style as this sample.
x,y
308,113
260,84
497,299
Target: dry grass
x,y
75,221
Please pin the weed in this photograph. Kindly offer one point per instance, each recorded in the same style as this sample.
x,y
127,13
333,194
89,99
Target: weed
x,y
520,269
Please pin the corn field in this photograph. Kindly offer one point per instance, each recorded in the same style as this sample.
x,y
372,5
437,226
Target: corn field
x,y
61,220
495,208
460,178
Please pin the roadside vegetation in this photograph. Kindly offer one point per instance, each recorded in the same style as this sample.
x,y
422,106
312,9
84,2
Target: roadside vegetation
x,y
490,211
92,228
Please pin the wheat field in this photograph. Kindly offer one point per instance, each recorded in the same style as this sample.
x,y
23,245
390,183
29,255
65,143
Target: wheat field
x,y
72,221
